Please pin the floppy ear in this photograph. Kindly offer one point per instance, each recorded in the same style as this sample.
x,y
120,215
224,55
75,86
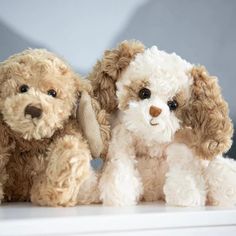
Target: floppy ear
x,y
208,115
107,71
93,121
89,124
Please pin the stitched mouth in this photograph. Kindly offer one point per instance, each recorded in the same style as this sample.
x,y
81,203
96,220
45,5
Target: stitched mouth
x,y
33,121
153,122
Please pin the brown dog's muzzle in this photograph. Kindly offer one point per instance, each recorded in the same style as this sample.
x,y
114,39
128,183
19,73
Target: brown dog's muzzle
x,y
33,111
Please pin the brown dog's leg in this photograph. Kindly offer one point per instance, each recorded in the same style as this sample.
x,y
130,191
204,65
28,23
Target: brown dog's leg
x,y
4,157
67,168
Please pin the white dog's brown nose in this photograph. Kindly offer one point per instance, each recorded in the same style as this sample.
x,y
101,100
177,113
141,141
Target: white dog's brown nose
x,y
33,111
154,111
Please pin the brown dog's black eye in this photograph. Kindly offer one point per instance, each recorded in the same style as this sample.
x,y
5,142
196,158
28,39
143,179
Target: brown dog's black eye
x,y
24,88
144,93
172,105
52,93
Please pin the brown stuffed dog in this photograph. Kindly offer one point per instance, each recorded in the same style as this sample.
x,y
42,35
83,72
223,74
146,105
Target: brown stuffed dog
x,y
44,154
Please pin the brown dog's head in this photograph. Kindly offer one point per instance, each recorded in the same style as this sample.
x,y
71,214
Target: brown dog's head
x,y
161,95
37,93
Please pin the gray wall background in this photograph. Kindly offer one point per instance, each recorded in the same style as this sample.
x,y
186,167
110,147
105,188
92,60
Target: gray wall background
x,y
203,31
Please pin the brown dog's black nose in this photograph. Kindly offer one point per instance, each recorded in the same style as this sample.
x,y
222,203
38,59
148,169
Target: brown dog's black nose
x,y
154,111
33,111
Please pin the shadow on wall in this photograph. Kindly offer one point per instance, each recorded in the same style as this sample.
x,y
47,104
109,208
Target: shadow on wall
x,y
12,42
199,31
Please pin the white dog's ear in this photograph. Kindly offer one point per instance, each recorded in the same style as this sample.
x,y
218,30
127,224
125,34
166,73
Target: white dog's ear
x,y
208,115
107,71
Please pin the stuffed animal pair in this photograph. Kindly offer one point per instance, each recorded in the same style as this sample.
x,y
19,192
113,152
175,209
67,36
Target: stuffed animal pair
x,y
170,128
50,126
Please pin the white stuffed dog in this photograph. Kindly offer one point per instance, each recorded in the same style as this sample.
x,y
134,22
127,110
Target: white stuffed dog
x,y
170,130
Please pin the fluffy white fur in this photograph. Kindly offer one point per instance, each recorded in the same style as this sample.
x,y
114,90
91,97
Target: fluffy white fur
x,y
145,163
185,185
220,181
121,183
166,74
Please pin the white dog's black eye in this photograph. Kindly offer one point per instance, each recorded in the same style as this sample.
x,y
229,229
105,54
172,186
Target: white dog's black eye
x,y
24,88
172,105
52,93
144,93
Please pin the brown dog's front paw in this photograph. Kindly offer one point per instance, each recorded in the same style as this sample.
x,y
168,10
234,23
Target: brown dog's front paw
x,y
68,167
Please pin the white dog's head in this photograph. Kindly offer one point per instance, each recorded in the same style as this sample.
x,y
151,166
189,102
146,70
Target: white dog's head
x,y
147,93
160,93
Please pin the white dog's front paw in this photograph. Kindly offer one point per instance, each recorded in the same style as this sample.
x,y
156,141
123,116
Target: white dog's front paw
x,y
120,185
220,178
179,154
181,189
184,185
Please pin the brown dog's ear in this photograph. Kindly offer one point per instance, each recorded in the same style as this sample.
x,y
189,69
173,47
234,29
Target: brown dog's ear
x,y
92,119
208,115
107,71
94,124
89,124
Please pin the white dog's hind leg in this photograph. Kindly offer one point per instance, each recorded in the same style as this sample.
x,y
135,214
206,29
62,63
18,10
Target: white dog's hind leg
x,y
184,185
120,183
221,181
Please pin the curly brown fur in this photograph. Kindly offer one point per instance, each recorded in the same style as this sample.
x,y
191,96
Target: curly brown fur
x,y
131,92
107,71
207,114
45,159
25,160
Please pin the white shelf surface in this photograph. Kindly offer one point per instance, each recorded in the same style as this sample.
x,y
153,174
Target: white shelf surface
x,y
145,219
